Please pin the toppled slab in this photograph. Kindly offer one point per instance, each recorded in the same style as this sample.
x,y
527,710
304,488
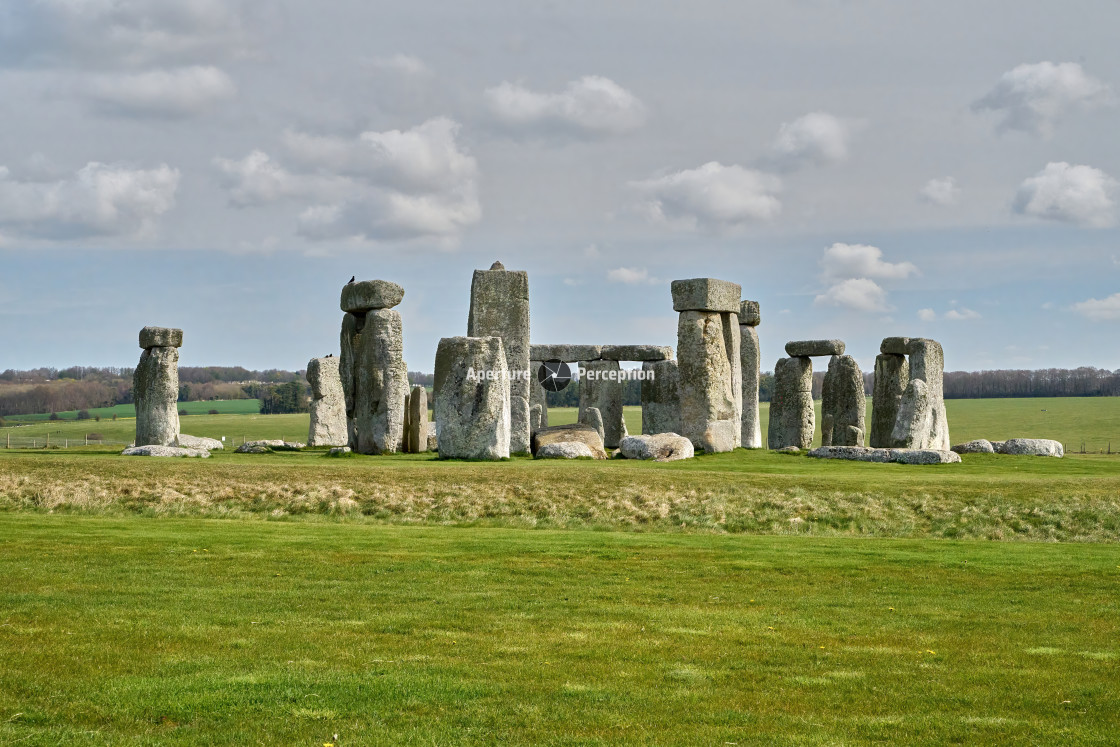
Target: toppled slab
x,y
565,450
660,447
978,446
1030,447
811,348
198,442
263,447
165,451
574,432
901,456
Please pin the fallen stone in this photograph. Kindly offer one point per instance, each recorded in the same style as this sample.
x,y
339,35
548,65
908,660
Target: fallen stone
x,y
155,392
265,445
924,456
601,387
706,294
198,442
252,449
791,405
161,337
565,450
660,447
594,418
661,402
165,451
978,446
789,450
366,295
472,412
808,348
900,456
1032,447
711,379
339,451
892,376
749,314
895,346
636,353
328,425
565,433
565,353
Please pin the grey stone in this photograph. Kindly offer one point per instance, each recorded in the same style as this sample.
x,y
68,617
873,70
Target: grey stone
x,y
500,308
565,450
711,379
164,451
661,400
566,433
706,294
155,391
900,456
380,384
750,426
924,456
639,353
1032,447
789,450
892,376
977,446
660,447
161,337
472,401
338,451
592,417
352,325
366,295
266,445
184,441
252,449
844,404
565,353
328,425
922,422
534,418
538,397
750,314
600,387
433,441
791,405
807,348
418,420
403,448
895,346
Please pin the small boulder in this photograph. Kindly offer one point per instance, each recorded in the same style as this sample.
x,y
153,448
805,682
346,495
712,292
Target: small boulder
x,y
165,451
198,442
340,451
1031,447
852,453
565,450
660,447
979,446
788,450
562,433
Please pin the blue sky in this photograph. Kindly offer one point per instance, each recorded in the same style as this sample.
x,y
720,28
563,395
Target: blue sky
x,y
863,169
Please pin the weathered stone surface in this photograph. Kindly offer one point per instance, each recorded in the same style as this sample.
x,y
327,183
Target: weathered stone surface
x,y
1032,447
565,353
538,398
418,420
844,404
915,415
706,294
433,441
403,448
807,348
566,433
924,456
640,353
922,422
601,387
661,400
565,450
248,448
749,314
750,426
500,308
352,324
895,346
534,418
978,446
892,376
339,451
789,450
164,451
660,447
791,405
155,390
184,441
900,456
592,417
265,445
380,384
328,404
161,337
366,295
472,412
711,379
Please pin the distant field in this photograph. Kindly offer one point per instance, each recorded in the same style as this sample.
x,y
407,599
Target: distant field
x,y
225,407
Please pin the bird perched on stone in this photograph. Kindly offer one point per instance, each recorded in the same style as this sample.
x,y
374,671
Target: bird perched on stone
x,y
352,279
330,355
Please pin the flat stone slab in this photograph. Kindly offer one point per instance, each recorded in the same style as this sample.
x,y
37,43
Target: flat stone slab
x,y
749,314
367,295
882,456
198,442
585,434
895,346
641,353
565,450
165,451
660,447
706,294
1030,447
565,353
810,348
979,446
260,447
339,451
161,337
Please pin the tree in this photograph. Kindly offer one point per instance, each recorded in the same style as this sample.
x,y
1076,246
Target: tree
x,y
54,416
83,415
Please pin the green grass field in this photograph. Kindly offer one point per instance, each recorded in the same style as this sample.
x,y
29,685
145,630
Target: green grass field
x,y
225,407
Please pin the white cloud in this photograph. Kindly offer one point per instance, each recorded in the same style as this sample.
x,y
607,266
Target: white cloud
x,y
961,315
257,179
405,64
1071,194
858,294
590,106
1035,97
631,276
943,192
817,138
843,261
927,315
712,196
178,92
99,200
1100,310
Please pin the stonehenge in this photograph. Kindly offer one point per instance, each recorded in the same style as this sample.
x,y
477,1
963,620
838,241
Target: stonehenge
x,y
538,401
472,400
791,405
600,387
155,387
660,447
417,420
574,433
908,408
708,362
750,362
899,456
328,404
661,400
843,403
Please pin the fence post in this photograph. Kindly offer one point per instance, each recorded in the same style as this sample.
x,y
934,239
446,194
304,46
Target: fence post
x,y
9,440
48,442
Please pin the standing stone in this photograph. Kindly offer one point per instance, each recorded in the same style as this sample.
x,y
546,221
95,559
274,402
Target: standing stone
x,y
922,422
155,387
538,397
380,383
592,417
407,423
892,375
328,404
750,363
710,378
352,325
661,400
601,387
418,420
472,407
844,404
791,406
534,419
500,308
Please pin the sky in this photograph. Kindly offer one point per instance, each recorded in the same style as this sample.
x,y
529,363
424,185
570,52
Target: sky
x,y
863,168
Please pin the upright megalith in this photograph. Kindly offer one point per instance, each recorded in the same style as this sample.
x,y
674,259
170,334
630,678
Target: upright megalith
x,y
417,420
328,404
921,422
708,362
892,376
601,387
661,397
843,404
372,370
538,398
750,362
500,308
791,404
472,409
155,387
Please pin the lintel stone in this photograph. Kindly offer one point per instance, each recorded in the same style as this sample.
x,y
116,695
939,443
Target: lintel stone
x,y
161,337
366,295
706,294
809,348
640,353
749,314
